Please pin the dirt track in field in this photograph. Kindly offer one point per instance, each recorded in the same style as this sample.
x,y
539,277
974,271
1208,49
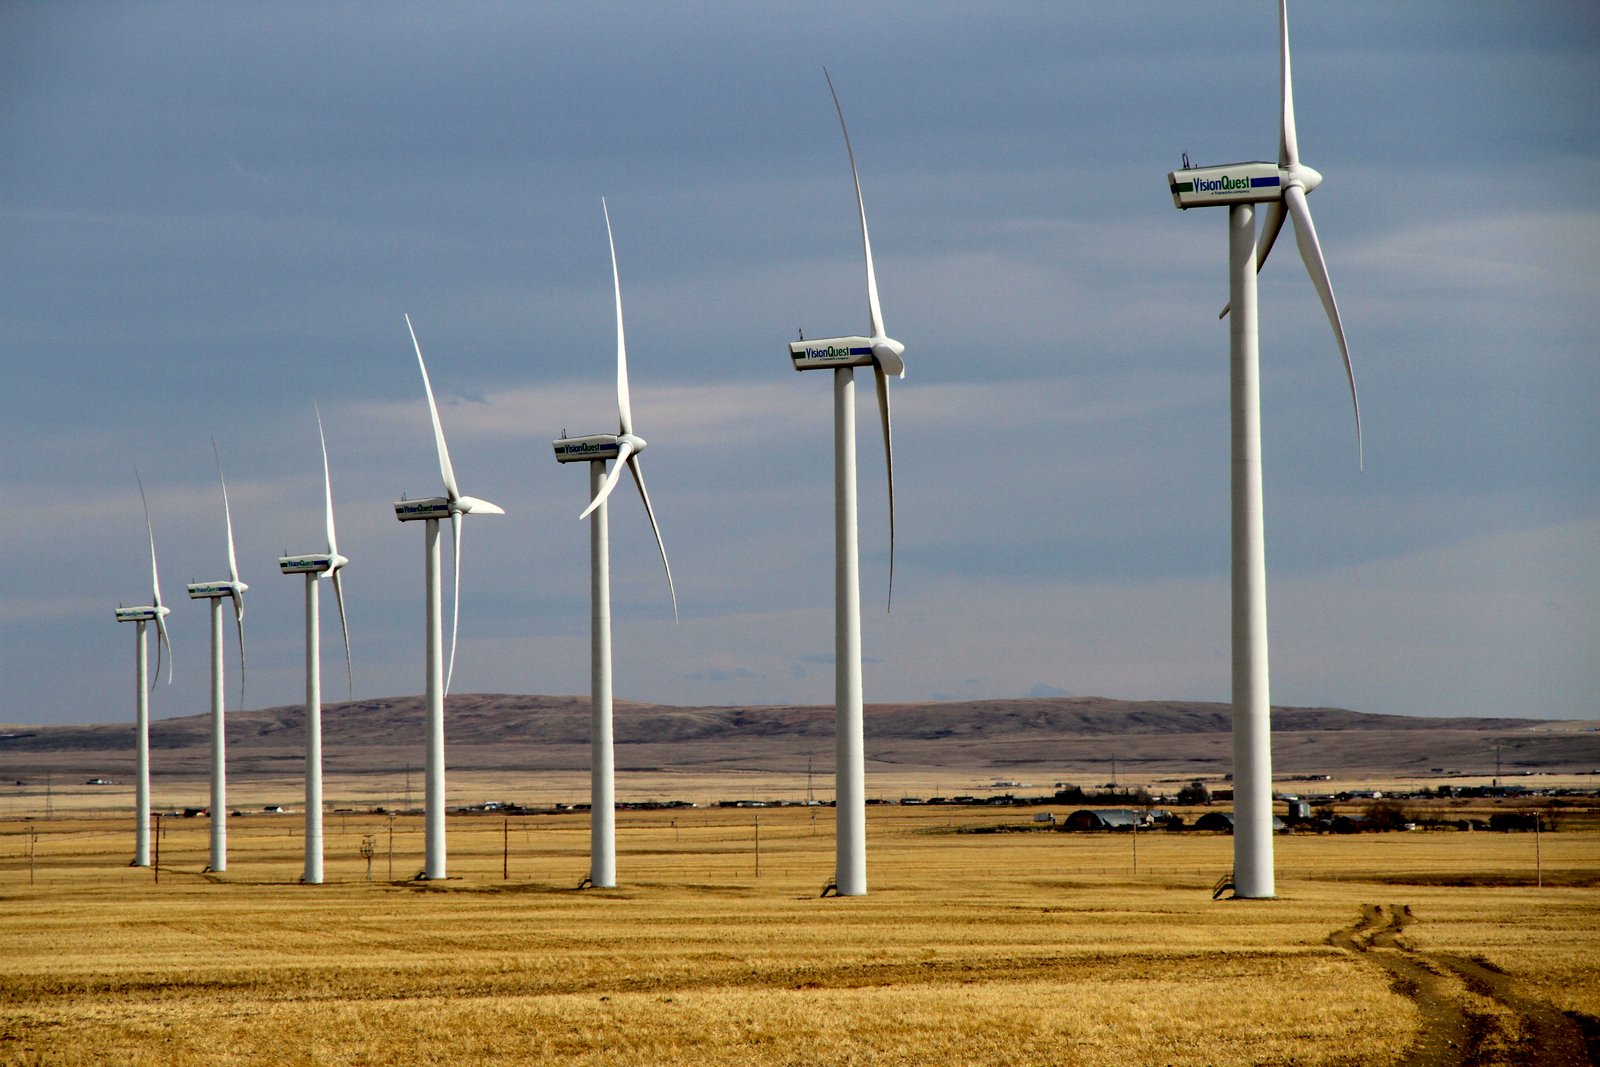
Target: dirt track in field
x,y
1518,1029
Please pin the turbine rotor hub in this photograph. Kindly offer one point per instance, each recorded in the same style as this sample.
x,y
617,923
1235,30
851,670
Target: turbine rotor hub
x,y
1305,177
887,352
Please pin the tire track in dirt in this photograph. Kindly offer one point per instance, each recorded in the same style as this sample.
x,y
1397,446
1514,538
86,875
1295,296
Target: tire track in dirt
x,y
1452,1035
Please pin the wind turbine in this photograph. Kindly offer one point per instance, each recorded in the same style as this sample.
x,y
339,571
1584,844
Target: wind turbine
x,y
843,354
1282,187
596,449
231,589
157,613
430,510
315,565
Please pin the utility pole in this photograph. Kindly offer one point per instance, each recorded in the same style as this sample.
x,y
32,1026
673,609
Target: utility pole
x,y
1538,858
758,846
391,848
156,866
505,849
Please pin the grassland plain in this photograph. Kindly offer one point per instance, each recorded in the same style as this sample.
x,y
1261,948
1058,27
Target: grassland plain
x,y
991,948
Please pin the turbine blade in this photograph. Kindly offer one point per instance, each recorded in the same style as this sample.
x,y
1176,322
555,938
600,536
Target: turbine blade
x,y
610,483
227,515
155,589
624,403
338,596
455,609
155,578
238,622
1305,234
162,639
882,381
1271,226
638,477
1288,146
327,484
445,469
874,311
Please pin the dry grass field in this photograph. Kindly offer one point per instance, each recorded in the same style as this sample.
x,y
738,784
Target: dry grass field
x,y
972,948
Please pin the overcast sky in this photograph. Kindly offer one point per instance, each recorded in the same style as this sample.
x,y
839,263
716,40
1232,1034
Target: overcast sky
x,y
214,214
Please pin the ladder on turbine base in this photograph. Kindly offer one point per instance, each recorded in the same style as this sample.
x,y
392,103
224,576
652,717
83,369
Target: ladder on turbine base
x,y
1224,884
587,881
830,886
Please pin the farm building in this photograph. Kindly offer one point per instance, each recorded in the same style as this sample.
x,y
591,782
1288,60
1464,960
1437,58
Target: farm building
x,y
1101,819
1222,822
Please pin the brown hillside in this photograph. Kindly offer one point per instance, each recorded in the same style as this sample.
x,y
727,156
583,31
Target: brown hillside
x,y
1067,735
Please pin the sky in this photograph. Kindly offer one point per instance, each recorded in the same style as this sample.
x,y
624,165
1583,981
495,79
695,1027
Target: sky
x,y
213,215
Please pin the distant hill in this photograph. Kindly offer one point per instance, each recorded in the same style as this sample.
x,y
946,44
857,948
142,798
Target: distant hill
x,y
1068,734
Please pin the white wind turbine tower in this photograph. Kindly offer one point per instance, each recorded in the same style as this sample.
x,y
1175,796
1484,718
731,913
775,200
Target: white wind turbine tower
x,y
157,613
317,565
843,354
430,510
624,447
230,589
1282,187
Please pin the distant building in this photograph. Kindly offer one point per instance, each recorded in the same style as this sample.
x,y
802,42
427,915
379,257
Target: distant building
x,y
1101,819
1222,822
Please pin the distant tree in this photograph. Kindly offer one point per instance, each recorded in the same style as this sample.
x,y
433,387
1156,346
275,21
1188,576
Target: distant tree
x,y
1141,798
1385,815
1194,793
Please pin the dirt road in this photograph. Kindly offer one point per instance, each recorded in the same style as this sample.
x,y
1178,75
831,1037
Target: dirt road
x,y
1473,1015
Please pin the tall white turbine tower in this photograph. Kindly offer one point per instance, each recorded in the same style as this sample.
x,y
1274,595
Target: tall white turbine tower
x,y
596,449
316,565
157,613
843,354
230,589
1240,187
430,510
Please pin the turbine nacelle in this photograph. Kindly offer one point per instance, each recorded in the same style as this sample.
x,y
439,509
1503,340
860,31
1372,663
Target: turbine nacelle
x,y
846,352
430,507
1255,182
216,590
142,614
595,446
312,563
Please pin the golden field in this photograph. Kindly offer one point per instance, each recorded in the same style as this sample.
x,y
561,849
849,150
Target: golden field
x,y
982,948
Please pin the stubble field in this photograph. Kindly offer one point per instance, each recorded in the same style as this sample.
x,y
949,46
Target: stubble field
x,y
991,948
